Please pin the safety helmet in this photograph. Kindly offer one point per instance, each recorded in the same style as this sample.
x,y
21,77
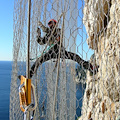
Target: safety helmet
x,y
51,21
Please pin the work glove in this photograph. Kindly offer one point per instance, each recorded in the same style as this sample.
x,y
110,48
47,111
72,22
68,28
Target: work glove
x,y
40,24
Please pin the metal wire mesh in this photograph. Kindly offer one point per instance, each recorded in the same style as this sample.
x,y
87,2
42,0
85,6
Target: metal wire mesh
x,y
70,91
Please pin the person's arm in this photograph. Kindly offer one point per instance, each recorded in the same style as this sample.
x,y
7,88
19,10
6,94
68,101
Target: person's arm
x,y
41,40
44,29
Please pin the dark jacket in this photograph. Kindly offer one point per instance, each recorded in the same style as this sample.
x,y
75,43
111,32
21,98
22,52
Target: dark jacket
x,y
54,38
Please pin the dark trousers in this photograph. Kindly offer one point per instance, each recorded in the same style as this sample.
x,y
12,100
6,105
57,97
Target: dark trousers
x,y
53,53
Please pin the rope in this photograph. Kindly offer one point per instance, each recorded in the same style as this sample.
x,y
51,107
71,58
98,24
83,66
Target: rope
x,y
61,38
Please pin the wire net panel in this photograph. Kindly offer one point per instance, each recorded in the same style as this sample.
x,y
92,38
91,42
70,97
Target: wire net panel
x,y
65,90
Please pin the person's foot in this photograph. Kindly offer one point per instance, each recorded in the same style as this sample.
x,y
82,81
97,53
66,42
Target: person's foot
x,y
93,69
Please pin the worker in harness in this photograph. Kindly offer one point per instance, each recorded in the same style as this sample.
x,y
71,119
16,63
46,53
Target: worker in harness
x,y
53,52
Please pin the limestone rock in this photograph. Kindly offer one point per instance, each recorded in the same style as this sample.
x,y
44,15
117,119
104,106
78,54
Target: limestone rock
x,y
95,12
102,22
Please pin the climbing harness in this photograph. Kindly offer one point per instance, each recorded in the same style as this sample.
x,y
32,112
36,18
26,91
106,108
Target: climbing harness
x,y
26,94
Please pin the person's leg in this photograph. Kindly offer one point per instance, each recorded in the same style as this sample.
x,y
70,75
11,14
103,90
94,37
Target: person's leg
x,y
41,40
54,52
80,61
51,54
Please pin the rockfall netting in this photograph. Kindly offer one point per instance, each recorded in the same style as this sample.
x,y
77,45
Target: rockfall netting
x,y
64,88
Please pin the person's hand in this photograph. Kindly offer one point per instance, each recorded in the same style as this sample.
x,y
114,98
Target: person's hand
x,y
40,23
39,31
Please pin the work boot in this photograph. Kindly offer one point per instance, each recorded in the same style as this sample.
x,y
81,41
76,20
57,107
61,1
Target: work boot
x,y
93,69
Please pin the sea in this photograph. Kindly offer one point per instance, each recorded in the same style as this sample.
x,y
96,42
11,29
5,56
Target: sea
x,y
5,80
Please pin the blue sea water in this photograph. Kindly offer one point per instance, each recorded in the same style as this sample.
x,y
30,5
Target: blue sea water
x,y
5,80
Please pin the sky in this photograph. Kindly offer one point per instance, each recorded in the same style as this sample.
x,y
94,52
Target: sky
x,y
6,29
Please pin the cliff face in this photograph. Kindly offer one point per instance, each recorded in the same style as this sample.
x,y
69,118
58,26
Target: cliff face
x,y
102,94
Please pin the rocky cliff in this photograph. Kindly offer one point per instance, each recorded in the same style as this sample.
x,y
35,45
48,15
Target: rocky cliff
x,y
102,95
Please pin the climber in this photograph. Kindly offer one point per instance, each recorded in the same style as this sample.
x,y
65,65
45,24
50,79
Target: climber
x,y
53,52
